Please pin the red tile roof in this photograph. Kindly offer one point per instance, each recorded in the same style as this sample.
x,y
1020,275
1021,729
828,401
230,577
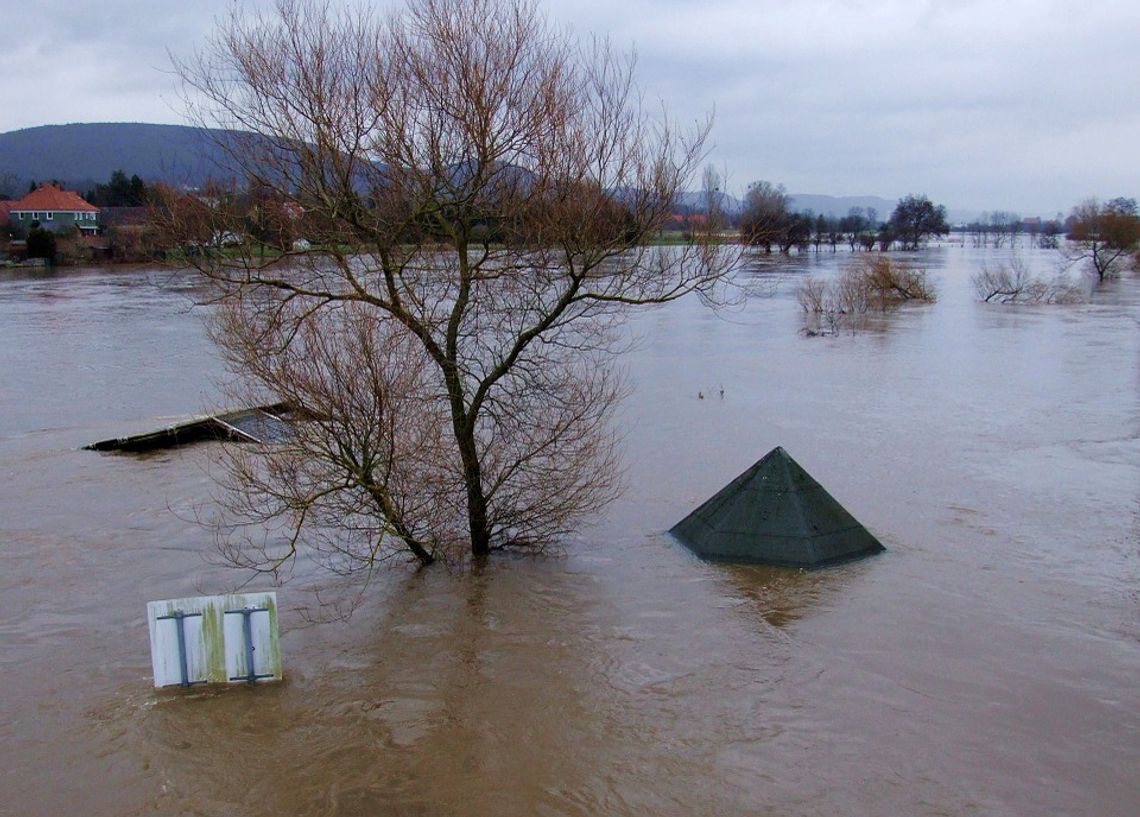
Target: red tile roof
x,y
49,197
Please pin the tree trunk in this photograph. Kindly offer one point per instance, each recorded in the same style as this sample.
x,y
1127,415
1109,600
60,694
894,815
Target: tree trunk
x,y
463,428
477,522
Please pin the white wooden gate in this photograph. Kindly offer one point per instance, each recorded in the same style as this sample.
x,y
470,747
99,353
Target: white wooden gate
x,y
214,640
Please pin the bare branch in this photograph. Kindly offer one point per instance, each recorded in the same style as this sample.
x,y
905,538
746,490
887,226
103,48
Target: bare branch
x,y
476,191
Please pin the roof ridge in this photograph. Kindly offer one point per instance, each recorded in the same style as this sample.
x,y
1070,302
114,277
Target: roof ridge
x,y
795,498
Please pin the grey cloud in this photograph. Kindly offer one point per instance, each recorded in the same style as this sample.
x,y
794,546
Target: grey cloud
x,y
984,104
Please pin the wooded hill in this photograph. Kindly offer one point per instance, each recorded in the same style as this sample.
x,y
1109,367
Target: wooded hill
x,y
80,156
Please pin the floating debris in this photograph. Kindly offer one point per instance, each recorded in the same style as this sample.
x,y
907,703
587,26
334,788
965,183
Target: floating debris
x,y
258,424
775,513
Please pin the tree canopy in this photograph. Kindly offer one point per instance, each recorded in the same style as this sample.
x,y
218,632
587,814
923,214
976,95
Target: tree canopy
x,y
1106,235
479,189
915,218
119,191
767,219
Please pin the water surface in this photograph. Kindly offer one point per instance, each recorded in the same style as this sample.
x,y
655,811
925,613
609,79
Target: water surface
x,y
985,664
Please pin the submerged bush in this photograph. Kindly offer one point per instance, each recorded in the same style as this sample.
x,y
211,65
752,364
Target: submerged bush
x,y
889,285
870,283
1013,284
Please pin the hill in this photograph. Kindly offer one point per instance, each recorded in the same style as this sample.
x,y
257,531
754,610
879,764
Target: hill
x,y
81,155
839,206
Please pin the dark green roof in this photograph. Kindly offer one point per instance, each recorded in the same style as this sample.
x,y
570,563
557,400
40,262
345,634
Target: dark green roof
x,y
775,513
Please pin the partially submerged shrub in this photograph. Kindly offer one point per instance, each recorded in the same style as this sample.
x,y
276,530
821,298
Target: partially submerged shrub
x,y
812,295
1014,284
889,284
870,283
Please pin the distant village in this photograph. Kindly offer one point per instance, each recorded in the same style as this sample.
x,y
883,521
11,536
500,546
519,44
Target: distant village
x,y
51,225
115,222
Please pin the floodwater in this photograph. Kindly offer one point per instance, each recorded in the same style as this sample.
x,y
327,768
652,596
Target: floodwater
x,y
986,664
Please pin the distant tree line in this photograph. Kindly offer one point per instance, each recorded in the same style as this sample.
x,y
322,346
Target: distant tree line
x,y
1105,235
768,221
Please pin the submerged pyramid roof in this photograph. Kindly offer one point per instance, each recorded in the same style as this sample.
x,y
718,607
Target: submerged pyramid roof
x,y
775,513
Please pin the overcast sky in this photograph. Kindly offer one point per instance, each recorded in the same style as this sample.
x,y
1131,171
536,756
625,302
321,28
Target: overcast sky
x,y
984,105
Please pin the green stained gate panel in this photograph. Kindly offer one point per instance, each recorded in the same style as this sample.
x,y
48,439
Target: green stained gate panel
x,y
775,513
214,640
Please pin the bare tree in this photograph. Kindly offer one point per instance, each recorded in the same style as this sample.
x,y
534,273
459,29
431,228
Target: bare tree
x,y
869,282
811,295
1002,225
765,218
891,284
1105,235
1014,283
916,217
482,189
1008,284
363,469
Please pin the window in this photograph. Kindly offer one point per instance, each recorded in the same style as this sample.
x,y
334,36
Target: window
x,y
50,215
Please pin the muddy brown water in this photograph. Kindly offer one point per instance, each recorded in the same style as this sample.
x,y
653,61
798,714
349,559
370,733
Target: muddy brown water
x,y
986,664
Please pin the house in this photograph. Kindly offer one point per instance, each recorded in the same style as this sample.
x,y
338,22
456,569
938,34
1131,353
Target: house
x,y
55,209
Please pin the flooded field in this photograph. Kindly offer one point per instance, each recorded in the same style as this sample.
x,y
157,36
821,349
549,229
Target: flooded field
x,y
986,664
